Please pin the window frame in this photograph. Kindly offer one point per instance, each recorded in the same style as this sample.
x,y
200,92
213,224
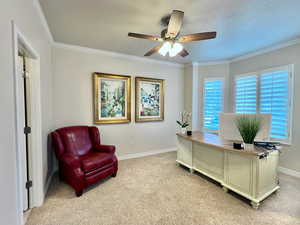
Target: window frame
x,y
217,78
258,74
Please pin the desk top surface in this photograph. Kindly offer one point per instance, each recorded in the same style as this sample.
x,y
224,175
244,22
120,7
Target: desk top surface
x,y
212,139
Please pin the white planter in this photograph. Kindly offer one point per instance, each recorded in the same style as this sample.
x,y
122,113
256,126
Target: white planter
x,y
248,146
183,130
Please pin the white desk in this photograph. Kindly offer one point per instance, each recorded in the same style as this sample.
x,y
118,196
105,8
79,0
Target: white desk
x,y
245,172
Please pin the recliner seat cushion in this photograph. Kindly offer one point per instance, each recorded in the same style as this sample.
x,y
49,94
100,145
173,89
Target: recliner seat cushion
x,y
95,160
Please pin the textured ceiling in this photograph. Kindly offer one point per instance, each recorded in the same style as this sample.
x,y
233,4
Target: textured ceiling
x,y
243,26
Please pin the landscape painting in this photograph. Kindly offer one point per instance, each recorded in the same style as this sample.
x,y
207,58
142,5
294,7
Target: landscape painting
x,y
111,98
149,99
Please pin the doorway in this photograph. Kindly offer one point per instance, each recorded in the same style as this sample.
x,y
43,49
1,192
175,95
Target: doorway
x,y
28,129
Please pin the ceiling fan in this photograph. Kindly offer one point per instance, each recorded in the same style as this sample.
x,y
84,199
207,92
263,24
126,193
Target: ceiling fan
x,y
171,42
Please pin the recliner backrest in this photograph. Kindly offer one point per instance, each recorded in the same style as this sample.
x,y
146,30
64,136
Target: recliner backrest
x,y
76,140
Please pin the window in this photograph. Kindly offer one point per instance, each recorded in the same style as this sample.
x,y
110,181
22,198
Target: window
x,y
245,97
274,99
267,92
213,103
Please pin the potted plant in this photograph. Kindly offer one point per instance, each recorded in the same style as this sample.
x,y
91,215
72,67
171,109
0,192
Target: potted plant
x,y
184,122
248,127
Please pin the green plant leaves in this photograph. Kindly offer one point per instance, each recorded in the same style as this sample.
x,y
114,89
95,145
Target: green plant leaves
x,y
248,127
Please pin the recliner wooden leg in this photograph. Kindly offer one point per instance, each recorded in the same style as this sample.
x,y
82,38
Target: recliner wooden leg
x,y
114,174
60,176
78,193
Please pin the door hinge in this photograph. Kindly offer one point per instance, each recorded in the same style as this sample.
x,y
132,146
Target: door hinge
x,y
27,130
28,184
25,74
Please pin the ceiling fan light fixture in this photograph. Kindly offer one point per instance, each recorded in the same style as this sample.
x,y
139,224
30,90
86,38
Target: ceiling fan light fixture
x,y
169,37
175,49
165,48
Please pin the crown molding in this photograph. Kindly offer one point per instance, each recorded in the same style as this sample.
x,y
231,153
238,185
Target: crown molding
x,y
37,5
249,55
191,64
45,24
266,50
114,54
208,63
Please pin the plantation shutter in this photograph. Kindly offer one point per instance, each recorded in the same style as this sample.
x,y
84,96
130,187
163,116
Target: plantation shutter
x,y
245,94
274,99
213,103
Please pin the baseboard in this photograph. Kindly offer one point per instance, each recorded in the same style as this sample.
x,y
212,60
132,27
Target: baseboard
x,y
48,183
143,154
289,172
26,216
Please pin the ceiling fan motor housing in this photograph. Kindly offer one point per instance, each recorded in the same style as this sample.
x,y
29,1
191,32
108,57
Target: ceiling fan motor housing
x,y
164,21
164,32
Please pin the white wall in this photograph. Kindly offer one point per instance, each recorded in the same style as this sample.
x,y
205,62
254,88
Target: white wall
x,y
73,99
26,18
191,95
289,55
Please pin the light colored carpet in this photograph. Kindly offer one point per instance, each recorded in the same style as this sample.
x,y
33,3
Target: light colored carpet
x,y
155,191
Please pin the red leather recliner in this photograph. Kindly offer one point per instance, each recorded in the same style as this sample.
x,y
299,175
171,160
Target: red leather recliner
x,y
83,160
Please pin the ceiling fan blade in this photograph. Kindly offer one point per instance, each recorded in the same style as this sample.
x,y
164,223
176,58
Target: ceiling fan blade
x,y
153,50
183,53
175,23
197,37
145,36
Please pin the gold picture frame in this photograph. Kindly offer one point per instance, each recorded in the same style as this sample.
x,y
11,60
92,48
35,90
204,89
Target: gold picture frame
x,y
150,106
112,98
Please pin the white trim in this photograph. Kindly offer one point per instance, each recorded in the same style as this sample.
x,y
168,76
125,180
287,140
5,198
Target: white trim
x,y
191,64
272,48
148,153
36,158
266,50
248,55
289,172
26,216
114,54
208,63
37,5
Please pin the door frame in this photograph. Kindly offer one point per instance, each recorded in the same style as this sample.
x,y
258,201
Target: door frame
x,y
35,152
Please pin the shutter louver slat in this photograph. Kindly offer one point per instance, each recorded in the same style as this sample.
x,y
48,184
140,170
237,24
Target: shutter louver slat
x,y
245,96
213,103
274,99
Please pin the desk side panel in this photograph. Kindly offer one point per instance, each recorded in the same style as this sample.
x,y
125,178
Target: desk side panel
x,y
267,174
209,160
184,152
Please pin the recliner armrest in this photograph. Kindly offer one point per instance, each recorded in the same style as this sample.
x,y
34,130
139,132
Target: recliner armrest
x,y
105,148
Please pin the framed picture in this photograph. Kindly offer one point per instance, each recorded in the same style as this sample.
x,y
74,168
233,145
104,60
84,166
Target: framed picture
x,y
112,98
149,99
